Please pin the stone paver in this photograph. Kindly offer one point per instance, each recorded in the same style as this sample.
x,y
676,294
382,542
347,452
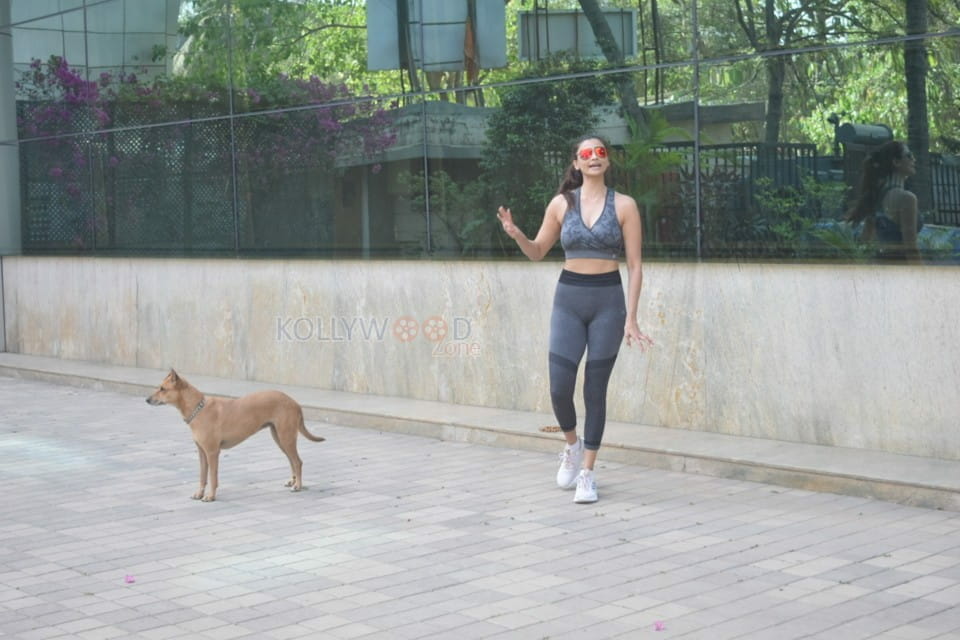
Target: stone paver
x,y
399,536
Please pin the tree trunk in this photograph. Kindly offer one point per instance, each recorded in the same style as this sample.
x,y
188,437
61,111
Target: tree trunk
x,y
613,54
657,52
776,73
918,128
407,55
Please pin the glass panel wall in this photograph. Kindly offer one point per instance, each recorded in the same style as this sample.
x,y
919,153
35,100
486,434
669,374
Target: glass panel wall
x,y
395,128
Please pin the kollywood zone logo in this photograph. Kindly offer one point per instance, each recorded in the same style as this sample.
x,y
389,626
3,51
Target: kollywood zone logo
x,y
449,339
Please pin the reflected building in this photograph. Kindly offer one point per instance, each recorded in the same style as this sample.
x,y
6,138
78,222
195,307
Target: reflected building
x,y
115,38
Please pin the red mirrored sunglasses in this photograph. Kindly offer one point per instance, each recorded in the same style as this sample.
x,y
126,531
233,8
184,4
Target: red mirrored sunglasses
x,y
585,153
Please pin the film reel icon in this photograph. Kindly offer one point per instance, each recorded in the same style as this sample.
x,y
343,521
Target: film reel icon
x,y
435,329
405,328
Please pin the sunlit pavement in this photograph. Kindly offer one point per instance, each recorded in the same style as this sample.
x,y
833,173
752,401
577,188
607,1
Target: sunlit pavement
x,y
398,536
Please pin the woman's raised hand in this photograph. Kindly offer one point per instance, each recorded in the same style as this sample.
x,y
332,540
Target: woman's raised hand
x,y
506,219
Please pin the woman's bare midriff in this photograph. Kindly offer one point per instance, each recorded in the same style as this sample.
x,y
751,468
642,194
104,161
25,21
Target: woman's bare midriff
x,y
591,266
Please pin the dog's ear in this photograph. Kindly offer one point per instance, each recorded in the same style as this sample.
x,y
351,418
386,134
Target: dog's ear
x,y
173,376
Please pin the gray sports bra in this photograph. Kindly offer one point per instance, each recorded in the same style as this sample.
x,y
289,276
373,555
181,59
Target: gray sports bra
x,y
604,240
885,229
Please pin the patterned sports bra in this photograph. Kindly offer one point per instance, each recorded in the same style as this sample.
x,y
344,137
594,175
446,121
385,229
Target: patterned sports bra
x,y
885,229
604,240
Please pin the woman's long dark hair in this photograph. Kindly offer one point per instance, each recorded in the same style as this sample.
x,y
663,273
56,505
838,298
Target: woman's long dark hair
x,y
573,178
877,169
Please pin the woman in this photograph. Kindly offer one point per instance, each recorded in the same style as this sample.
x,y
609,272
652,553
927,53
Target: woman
x,y
594,225
888,211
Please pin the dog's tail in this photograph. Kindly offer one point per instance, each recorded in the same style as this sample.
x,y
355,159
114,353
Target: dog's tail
x,y
307,434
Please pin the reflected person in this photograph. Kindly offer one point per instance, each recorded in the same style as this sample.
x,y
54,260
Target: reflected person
x,y
886,208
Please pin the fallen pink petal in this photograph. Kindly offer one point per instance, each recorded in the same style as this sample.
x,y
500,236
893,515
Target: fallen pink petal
x,y
129,579
659,626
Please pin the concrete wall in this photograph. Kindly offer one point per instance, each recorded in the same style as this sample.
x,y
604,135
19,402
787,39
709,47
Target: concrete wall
x,y
852,356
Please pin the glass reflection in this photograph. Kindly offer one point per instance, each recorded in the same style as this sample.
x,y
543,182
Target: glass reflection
x,y
307,178
97,58
382,128
143,190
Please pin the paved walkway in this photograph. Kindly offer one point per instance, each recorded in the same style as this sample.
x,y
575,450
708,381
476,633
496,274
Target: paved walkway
x,y
400,536
911,480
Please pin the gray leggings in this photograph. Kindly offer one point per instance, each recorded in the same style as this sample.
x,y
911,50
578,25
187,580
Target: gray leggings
x,y
589,314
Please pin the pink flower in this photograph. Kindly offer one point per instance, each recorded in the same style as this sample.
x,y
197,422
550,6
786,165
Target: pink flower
x,y
659,626
56,172
102,117
129,579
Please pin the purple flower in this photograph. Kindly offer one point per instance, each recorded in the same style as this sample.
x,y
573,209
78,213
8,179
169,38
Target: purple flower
x,y
56,172
102,117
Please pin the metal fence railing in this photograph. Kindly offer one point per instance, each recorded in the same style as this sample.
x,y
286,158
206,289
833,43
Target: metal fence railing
x,y
211,185
945,183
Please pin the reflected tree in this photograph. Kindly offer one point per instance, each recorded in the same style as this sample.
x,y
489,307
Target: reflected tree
x,y
625,87
243,41
772,28
915,72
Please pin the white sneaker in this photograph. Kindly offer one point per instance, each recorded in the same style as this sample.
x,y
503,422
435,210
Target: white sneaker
x,y
570,459
586,487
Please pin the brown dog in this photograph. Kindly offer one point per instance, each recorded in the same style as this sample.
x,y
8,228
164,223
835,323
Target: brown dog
x,y
221,423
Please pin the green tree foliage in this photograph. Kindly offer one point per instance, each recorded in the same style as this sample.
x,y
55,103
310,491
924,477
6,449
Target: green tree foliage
x,y
267,38
643,162
739,45
461,225
772,26
832,72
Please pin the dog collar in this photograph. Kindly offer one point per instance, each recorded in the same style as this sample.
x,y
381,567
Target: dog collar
x,y
195,411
